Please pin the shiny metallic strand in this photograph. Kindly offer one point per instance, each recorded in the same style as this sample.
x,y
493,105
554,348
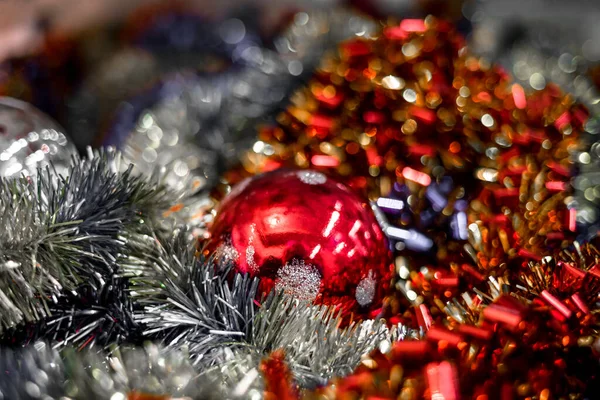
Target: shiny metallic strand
x,y
194,303
64,238
315,346
198,304
86,316
502,338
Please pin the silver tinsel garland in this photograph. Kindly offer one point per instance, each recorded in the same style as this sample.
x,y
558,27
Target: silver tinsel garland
x,y
65,238
60,232
199,304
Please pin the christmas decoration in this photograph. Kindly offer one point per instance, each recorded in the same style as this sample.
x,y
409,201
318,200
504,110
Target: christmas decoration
x,y
505,341
467,172
176,135
29,140
194,303
68,241
404,142
559,48
162,140
306,234
181,300
117,275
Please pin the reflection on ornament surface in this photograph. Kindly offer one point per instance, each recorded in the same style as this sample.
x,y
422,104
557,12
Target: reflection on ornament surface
x,y
306,234
29,139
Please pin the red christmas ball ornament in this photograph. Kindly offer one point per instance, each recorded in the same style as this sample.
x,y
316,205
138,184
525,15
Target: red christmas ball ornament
x,y
308,235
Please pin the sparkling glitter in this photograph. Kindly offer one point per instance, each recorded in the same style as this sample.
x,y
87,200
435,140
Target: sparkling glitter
x,y
365,291
250,258
250,251
226,252
312,177
299,279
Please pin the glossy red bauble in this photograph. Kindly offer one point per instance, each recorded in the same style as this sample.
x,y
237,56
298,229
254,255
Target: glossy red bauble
x,y
306,234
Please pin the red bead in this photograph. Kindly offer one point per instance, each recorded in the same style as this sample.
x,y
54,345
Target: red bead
x,y
306,234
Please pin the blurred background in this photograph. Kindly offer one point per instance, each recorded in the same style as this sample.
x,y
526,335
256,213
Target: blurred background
x,y
189,80
67,56
81,62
